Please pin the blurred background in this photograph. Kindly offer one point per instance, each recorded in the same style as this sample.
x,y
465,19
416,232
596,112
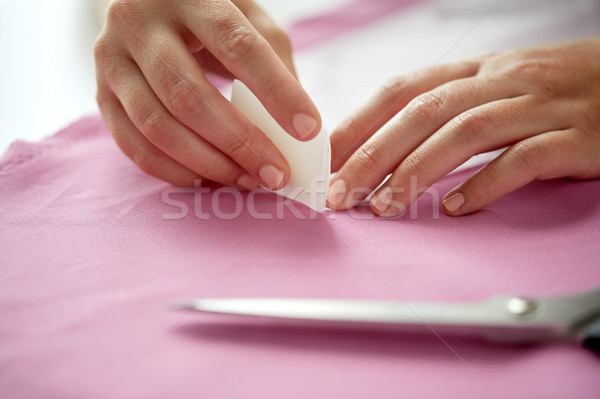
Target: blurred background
x,y
47,69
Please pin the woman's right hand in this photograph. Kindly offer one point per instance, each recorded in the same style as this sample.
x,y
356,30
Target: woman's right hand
x,y
164,114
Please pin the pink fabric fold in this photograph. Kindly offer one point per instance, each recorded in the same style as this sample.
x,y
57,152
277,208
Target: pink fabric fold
x,y
349,16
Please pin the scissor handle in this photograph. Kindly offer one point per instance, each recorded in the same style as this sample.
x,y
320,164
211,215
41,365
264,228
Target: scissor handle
x,y
592,337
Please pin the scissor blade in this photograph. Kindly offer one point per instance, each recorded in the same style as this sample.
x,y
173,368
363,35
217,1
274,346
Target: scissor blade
x,y
488,319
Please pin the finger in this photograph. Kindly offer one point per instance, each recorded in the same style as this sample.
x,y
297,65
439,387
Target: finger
x,y
490,126
273,33
229,36
421,118
267,28
547,156
143,153
386,102
175,77
157,125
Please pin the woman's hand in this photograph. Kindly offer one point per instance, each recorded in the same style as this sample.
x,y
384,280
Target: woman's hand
x,y
543,103
169,119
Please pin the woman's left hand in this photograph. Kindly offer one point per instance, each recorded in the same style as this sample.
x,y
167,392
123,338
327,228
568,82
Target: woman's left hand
x,y
543,103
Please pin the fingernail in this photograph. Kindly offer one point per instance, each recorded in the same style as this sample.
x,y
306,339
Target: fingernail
x,y
337,192
271,176
454,202
304,125
247,182
383,200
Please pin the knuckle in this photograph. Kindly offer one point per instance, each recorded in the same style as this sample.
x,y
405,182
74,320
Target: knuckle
x,y
235,41
274,87
537,74
394,87
109,64
102,49
111,69
369,157
542,76
414,165
238,147
525,67
182,99
485,183
528,155
426,107
118,10
124,10
155,126
470,126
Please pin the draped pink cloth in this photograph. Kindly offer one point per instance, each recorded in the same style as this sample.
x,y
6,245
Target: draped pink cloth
x,y
93,250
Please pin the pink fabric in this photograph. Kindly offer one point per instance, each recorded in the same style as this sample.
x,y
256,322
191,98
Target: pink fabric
x,y
88,264
351,15
91,254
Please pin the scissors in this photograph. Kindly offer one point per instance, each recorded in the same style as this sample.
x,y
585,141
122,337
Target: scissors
x,y
499,319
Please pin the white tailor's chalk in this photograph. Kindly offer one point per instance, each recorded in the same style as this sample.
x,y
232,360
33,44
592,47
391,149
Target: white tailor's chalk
x,y
309,160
